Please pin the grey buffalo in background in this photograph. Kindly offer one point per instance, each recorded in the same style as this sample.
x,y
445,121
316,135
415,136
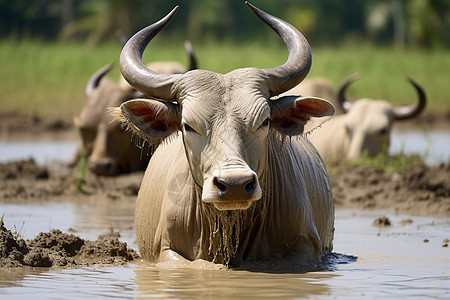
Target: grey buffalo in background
x,y
365,125
234,180
110,150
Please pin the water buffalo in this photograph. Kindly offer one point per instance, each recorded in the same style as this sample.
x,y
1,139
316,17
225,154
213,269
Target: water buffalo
x,y
233,180
110,150
365,125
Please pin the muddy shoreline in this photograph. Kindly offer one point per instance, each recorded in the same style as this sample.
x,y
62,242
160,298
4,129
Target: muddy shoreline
x,y
416,189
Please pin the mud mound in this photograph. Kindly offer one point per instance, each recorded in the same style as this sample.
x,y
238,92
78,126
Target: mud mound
x,y
24,168
417,189
382,222
58,249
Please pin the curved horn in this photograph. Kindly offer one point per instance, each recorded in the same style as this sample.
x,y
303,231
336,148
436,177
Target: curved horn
x,y
342,100
134,70
411,111
192,60
297,66
95,79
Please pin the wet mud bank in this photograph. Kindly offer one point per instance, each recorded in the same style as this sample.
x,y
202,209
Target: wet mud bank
x,y
415,189
24,180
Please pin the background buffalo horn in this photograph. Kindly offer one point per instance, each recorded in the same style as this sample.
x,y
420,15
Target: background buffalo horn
x,y
297,66
410,111
136,73
400,112
95,79
192,60
342,100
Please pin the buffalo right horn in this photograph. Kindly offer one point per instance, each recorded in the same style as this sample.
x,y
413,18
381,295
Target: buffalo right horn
x,y
411,111
134,71
95,79
299,61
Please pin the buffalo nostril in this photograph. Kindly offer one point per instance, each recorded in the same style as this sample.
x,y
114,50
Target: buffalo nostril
x,y
250,187
222,188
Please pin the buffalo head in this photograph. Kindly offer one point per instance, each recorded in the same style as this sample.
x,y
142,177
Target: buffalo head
x,y
225,119
368,122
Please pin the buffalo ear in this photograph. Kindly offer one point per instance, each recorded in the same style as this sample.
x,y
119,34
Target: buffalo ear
x,y
295,115
150,119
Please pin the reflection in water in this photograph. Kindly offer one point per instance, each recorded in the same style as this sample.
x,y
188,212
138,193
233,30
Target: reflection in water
x,y
144,282
153,282
86,283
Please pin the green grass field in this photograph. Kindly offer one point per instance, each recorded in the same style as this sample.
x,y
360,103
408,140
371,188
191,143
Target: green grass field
x,y
49,79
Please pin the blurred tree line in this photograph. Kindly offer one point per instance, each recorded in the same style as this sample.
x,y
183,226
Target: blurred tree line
x,y
422,23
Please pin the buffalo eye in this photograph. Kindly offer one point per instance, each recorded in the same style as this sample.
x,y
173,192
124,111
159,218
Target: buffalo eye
x,y
188,128
264,124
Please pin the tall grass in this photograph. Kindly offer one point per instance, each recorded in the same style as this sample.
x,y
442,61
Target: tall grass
x,y
49,79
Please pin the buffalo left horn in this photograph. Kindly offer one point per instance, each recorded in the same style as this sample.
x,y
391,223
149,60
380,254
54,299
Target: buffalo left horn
x,y
342,99
134,70
298,64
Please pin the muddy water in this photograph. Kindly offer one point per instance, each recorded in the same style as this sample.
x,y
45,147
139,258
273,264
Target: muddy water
x,y
41,151
406,260
433,146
